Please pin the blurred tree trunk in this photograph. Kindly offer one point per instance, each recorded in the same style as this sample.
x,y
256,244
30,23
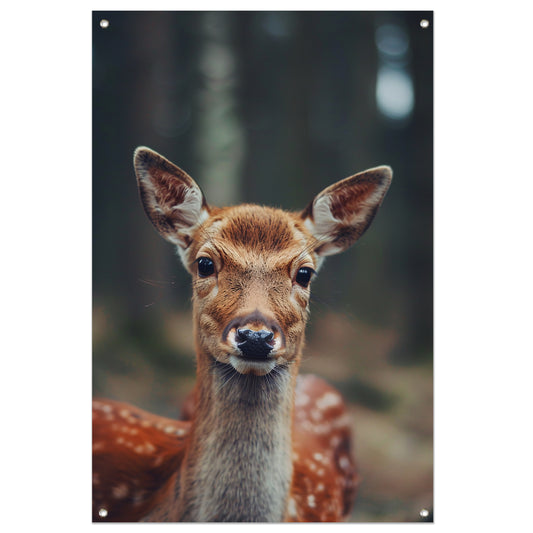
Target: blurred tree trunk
x,y
134,63
219,140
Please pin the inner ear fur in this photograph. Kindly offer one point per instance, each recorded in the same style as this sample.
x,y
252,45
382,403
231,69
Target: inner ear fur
x,y
171,198
341,213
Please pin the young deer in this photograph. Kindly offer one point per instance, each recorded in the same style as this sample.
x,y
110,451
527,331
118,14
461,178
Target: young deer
x,y
258,443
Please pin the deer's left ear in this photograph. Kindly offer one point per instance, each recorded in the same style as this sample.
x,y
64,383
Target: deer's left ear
x,y
340,214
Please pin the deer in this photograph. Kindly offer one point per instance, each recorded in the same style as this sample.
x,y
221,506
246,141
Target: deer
x,y
257,441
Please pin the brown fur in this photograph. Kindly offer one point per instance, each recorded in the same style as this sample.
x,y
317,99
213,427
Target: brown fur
x,y
258,443
136,456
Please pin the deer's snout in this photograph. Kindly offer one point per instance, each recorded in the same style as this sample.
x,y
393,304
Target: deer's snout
x,y
254,344
254,335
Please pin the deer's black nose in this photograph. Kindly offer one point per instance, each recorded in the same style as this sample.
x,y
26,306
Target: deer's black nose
x,y
254,344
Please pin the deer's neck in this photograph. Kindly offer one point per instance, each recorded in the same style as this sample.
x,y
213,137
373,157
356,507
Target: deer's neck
x,y
239,464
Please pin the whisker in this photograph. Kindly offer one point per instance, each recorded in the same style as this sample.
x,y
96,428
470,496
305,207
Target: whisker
x,y
158,283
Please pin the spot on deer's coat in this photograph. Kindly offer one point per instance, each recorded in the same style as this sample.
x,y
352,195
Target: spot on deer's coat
x,y
335,441
316,415
300,414
321,429
330,399
344,462
307,425
120,491
102,407
311,501
291,508
301,400
342,422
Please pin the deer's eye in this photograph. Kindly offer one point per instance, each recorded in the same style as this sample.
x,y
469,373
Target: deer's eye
x,y
206,267
303,276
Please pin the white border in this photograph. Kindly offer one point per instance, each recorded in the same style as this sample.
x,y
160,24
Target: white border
x,y
483,263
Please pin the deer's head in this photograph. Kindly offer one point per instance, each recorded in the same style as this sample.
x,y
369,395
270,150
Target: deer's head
x,y
252,266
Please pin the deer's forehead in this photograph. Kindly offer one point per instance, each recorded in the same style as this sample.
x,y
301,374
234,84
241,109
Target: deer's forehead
x,y
249,231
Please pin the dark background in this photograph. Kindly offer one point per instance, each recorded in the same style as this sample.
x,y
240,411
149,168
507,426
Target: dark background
x,y
270,108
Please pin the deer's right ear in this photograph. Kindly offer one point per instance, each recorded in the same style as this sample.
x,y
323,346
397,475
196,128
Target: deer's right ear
x,y
171,198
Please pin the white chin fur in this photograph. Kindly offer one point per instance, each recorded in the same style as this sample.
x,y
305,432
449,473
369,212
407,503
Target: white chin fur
x,y
258,368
